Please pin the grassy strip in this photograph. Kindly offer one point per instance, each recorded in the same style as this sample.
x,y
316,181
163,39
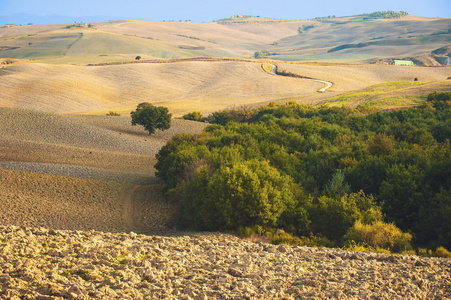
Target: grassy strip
x,y
384,95
267,67
71,44
420,40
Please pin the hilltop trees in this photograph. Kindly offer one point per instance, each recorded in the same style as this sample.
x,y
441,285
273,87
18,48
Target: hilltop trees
x,y
151,117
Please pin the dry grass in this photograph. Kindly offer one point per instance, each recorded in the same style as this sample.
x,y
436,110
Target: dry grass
x,y
391,94
183,87
347,78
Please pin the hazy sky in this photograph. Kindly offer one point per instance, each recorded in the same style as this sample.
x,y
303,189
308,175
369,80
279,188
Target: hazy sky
x,y
209,10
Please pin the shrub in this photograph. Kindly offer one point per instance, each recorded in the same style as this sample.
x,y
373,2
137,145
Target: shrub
x,y
332,217
138,57
380,235
440,100
246,194
194,116
442,252
151,117
113,113
282,237
425,252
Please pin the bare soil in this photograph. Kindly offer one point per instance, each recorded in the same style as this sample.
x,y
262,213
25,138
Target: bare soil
x,y
82,172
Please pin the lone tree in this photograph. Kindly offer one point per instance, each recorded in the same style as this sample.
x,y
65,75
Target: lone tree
x,y
151,117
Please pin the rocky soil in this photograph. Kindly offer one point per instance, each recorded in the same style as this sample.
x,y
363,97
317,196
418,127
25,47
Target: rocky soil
x,y
51,264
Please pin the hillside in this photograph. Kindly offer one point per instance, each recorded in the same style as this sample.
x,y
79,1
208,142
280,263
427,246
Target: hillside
x,y
361,38
186,86
85,172
182,87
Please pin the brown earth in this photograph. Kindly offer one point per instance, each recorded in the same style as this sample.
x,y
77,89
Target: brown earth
x,y
82,172
53,264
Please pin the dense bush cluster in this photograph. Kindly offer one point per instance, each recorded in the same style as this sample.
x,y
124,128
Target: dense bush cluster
x,y
330,174
385,14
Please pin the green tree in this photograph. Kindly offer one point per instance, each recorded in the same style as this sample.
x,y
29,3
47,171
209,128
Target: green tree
x,y
332,217
337,186
248,194
151,117
381,145
194,116
401,194
258,54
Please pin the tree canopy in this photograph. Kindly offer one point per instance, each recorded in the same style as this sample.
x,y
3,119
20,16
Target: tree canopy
x,y
151,117
332,172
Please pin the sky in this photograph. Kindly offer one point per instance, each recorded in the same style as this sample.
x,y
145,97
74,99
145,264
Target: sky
x,y
210,10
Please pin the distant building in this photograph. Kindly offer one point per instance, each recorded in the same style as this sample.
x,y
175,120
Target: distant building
x,y
10,24
403,62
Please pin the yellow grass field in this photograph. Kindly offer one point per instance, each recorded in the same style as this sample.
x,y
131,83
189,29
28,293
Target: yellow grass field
x,y
187,86
183,87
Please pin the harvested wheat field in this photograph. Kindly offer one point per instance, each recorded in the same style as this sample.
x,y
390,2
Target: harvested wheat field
x,y
81,172
182,87
186,86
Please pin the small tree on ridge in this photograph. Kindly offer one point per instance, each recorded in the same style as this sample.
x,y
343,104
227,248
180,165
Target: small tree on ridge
x,y
151,117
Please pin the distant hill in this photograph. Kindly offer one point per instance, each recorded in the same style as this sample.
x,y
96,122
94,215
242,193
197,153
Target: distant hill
x,y
363,38
25,19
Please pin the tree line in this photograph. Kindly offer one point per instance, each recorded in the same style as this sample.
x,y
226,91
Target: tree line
x,y
331,176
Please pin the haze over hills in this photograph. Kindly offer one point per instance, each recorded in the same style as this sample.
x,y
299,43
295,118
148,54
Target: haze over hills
x,y
24,19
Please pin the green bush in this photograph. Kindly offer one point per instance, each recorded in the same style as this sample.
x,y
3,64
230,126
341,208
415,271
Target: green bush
x,y
332,217
442,252
245,194
113,114
440,100
194,116
380,235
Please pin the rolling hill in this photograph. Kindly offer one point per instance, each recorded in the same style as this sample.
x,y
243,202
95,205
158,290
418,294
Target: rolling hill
x,y
91,171
355,39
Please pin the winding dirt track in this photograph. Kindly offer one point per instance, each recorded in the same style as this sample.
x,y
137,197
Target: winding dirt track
x,y
322,90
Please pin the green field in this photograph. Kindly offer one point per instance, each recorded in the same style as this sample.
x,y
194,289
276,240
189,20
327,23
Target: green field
x,y
390,94
54,44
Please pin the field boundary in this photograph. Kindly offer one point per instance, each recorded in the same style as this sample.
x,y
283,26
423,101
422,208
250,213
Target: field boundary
x,y
73,43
